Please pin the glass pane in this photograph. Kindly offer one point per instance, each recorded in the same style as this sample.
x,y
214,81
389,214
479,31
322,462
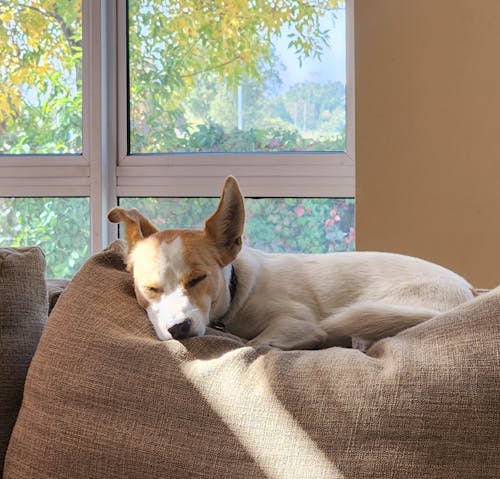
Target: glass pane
x,y
40,77
232,76
305,225
60,226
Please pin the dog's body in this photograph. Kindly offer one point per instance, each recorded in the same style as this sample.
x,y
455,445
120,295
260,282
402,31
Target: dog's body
x,y
186,279
302,301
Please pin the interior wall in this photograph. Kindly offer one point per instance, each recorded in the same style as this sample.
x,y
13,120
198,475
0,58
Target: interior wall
x,y
428,132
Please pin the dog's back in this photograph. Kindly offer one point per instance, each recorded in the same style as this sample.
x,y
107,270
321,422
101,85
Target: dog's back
x,y
366,294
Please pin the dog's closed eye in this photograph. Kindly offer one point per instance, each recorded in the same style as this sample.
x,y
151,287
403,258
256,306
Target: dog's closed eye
x,y
152,289
194,281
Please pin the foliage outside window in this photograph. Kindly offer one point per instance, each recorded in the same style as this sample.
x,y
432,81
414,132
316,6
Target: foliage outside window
x,y
280,225
204,77
41,113
213,76
40,76
60,226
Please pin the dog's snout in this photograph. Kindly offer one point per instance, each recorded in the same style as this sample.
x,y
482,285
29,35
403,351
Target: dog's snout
x,y
181,330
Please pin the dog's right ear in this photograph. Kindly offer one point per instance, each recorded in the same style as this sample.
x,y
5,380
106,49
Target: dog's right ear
x,y
137,226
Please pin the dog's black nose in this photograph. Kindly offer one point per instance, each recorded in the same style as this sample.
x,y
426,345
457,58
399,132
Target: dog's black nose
x,y
180,330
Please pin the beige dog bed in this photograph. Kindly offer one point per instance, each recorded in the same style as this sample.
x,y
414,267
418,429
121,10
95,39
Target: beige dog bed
x,y
105,399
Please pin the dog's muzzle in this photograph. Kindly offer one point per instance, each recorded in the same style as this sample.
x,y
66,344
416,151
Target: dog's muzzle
x,y
181,330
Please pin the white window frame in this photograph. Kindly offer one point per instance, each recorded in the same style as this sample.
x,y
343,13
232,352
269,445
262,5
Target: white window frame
x,y
268,174
71,175
105,171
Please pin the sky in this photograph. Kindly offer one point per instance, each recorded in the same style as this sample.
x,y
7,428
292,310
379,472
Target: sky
x,y
332,66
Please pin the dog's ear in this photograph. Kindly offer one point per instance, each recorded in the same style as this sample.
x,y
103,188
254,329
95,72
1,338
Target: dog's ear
x,y
225,226
137,226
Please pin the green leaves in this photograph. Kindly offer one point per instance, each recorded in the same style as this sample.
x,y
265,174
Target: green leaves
x,y
60,226
40,78
176,49
307,225
300,224
188,58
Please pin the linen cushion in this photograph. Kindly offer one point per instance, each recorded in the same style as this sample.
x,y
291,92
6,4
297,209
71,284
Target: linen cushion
x,y
55,287
23,311
105,398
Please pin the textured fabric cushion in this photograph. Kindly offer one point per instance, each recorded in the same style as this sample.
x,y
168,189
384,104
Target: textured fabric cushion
x,y
23,311
105,399
55,288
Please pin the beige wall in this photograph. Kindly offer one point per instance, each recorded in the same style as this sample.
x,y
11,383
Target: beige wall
x,y
428,132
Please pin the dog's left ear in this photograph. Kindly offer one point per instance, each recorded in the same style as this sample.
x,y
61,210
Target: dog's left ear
x,y
137,226
225,226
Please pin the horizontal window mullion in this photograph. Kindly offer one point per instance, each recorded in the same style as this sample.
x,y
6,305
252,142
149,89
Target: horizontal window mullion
x,y
196,186
44,171
239,171
234,159
17,190
42,160
44,181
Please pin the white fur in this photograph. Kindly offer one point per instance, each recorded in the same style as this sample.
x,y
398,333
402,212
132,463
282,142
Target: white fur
x,y
289,301
295,301
171,309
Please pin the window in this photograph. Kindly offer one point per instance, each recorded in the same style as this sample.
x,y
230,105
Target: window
x,y
153,103
44,162
235,77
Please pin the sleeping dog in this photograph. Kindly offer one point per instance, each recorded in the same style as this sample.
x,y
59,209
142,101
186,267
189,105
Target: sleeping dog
x,y
189,279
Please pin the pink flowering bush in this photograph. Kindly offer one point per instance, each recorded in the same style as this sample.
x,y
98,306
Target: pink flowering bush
x,y
307,225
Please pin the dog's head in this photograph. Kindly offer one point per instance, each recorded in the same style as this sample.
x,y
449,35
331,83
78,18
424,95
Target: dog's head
x,y
181,277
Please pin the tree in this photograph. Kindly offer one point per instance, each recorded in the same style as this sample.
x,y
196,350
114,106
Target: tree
x,y
176,46
40,76
315,225
317,107
180,53
60,226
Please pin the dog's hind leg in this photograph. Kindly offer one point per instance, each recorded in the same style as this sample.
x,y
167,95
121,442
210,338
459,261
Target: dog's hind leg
x,y
288,333
372,321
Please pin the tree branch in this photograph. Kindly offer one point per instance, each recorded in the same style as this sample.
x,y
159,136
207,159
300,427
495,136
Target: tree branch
x,y
216,67
67,32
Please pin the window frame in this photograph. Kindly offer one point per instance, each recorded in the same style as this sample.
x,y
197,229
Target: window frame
x,y
66,175
104,171
304,174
